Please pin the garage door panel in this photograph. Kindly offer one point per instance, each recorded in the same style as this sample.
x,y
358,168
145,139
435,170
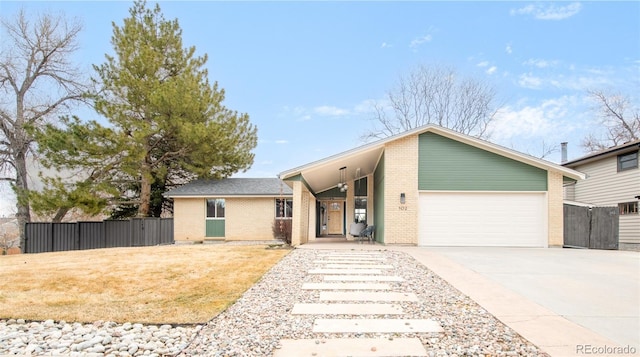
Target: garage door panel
x,y
482,219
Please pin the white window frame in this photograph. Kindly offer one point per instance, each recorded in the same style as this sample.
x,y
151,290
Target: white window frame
x,y
215,216
288,210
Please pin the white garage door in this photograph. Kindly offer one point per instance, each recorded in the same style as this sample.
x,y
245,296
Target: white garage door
x,y
483,219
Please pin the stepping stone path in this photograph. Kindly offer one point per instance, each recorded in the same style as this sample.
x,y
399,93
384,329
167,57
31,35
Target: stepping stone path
x,y
357,285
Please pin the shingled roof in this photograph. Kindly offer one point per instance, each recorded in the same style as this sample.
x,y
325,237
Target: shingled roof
x,y
232,187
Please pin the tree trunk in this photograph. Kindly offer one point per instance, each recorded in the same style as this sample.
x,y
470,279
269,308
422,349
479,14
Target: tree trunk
x,y
21,189
145,191
62,211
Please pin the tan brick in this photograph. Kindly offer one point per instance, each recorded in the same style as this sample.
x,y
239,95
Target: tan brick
x,y
555,209
249,218
189,219
401,176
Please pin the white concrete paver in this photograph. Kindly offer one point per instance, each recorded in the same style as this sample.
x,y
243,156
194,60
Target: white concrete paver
x,y
345,271
358,266
367,296
362,278
348,261
376,325
364,347
347,309
345,286
361,271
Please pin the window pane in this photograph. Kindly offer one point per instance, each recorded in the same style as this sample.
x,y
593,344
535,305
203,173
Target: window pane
x,y
220,208
360,211
289,209
628,161
284,208
211,208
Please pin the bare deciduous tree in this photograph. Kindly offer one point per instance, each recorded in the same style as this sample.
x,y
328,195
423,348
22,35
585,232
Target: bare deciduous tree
x,y
37,82
435,95
619,117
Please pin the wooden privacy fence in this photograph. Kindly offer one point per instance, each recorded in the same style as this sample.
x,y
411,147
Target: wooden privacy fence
x,y
136,232
591,227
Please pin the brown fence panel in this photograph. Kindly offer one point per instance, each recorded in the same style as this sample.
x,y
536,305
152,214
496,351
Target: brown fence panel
x,y
604,228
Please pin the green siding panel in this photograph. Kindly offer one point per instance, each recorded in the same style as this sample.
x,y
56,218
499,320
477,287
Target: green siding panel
x,y
446,164
331,193
215,228
378,201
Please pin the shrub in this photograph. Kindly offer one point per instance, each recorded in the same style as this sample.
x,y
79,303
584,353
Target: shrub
x,y
282,230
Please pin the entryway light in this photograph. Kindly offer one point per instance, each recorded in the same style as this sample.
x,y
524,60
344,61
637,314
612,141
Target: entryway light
x,y
342,185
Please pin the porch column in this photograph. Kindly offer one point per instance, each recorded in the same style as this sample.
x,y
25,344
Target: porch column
x,y
300,219
555,210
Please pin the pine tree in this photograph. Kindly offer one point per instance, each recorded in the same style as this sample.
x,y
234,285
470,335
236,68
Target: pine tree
x,y
167,122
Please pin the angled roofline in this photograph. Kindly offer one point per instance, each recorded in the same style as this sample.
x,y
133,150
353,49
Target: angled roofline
x,y
604,153
479,143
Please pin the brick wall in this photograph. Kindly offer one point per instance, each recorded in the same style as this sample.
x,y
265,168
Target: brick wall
x,y
401,176
188,219
249,218
301,200
555,209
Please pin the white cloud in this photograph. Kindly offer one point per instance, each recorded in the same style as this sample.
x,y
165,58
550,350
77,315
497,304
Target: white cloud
x,y
330,111
528,80
282,141
366,106
418,41
508,49
548,11
386,45
491,70
540,63
579,79
483,64
545,120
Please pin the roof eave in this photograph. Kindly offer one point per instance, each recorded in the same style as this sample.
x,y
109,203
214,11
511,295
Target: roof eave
x,y
497,149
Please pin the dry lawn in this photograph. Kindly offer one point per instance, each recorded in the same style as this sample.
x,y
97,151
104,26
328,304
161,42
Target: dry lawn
x,y
167,284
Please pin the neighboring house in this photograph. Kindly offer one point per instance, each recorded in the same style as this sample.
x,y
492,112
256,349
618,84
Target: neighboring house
x,y
612,179
229,209
431,186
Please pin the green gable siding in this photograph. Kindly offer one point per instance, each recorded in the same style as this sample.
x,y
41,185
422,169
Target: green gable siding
x,y
446,164
215,228
378,201
331,193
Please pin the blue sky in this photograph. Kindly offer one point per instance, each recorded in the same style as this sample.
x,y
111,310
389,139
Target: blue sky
x,y
307,73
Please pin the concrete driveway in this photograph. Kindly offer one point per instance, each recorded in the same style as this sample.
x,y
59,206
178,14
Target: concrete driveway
x,y
596,289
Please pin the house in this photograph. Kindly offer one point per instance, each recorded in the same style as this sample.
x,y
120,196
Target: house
x,y
431,186
613,179
229,209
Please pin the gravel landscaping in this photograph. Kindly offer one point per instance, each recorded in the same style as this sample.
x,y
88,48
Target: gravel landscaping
x,y
255,324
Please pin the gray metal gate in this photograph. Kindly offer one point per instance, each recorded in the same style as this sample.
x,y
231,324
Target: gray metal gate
x,y
591,227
